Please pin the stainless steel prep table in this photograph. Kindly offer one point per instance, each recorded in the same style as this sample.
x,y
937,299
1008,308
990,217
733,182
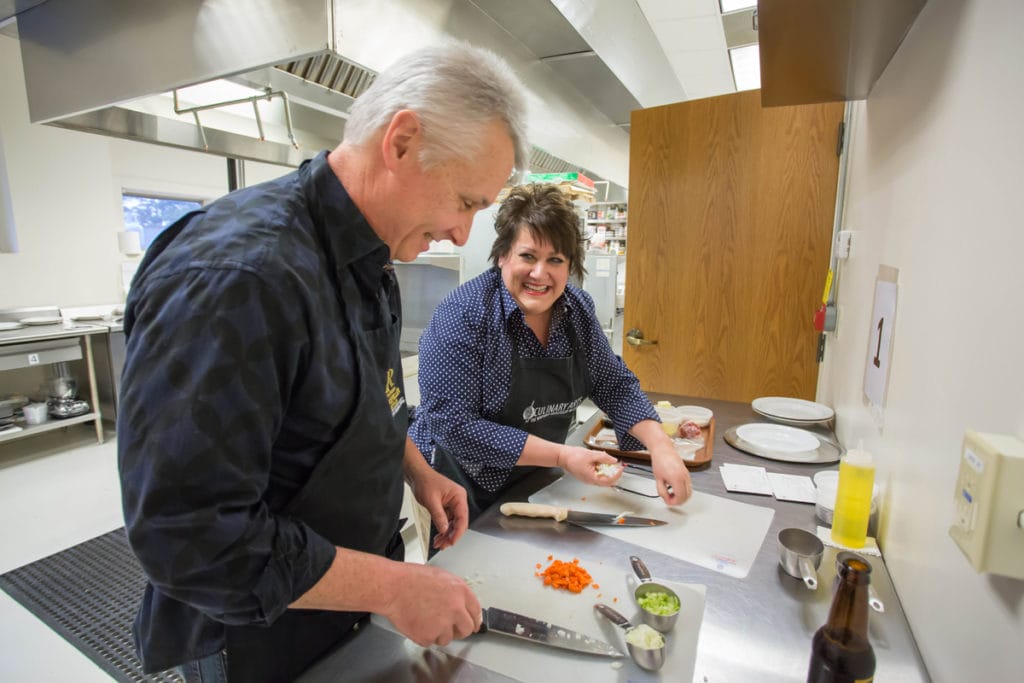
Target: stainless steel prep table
x,y
34,343
754,629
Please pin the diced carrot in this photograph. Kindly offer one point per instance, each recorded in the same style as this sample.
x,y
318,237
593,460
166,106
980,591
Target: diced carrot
x,y
568,575
596,586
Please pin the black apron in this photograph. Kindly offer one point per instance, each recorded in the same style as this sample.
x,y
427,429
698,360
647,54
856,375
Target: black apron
x,y
542,400
353,498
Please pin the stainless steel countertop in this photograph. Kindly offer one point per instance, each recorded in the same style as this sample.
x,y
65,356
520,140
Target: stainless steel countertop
x,y
754,629
31,333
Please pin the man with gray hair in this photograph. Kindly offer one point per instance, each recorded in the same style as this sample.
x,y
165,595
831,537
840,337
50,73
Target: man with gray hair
x,y
262,425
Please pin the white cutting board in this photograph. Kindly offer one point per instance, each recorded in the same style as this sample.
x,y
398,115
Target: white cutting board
x,y
502,574
710,531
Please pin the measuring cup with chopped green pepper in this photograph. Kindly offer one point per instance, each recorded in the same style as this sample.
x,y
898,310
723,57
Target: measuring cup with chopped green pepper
x,y
659,605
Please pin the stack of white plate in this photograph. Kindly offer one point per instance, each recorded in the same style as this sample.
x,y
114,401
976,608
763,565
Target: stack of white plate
x,y
792,410
788,444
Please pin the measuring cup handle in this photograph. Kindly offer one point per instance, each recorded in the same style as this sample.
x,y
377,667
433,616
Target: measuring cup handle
x,y
874,601
612,615
640,568
808,572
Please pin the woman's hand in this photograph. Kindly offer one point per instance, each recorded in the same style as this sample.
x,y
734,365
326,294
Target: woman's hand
x,y
671,475
590,467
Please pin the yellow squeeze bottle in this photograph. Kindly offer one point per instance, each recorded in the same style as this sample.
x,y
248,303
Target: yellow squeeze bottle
x,y
853,499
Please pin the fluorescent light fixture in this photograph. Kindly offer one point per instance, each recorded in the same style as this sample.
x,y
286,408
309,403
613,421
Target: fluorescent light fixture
x,y
734,5
746,67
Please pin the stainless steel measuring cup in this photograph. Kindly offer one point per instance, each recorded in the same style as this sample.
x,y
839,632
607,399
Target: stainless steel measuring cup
x,y
800,554
663,623
650,659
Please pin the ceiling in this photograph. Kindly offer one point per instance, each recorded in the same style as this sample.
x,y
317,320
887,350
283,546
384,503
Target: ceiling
x,y
620,55
628,54
696,38
631,54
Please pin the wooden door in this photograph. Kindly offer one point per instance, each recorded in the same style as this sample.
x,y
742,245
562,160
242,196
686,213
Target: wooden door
x,y
731,208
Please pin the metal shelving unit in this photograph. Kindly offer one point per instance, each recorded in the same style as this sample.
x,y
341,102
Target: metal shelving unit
x,y
41,346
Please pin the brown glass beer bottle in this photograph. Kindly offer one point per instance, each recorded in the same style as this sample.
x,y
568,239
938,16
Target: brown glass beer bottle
x,y
840,651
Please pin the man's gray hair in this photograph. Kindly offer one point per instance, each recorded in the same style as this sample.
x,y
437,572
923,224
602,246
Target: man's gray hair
x,y
456,90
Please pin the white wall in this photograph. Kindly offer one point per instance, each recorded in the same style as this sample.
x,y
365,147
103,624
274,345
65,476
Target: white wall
x,y
934,190
66,198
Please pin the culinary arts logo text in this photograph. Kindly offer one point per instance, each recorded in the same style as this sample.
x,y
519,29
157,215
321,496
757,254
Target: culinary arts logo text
x,y
533,414
393,393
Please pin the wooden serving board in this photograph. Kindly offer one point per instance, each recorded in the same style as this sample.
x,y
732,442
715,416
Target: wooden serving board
x,y
697,460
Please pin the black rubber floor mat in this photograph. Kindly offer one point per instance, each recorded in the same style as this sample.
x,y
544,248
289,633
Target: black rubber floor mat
x,y
89,594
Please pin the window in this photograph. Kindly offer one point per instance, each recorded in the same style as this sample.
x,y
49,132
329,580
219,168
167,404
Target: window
x,y
150,215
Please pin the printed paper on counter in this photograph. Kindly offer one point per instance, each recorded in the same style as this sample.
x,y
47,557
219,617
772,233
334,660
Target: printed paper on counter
x,y
792,487
745,479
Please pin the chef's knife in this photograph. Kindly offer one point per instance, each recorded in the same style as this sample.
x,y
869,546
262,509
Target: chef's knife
x,y
575,517
526,628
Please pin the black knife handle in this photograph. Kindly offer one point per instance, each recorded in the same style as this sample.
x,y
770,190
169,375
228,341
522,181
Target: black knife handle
x,y
612,615
640,568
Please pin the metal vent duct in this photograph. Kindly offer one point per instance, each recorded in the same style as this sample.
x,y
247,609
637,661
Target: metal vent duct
x,y
333,72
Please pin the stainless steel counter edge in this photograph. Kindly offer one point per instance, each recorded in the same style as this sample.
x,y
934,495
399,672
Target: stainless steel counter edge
x,y
58,331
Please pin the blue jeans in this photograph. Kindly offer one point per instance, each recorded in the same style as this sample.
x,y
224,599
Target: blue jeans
x,y
210,669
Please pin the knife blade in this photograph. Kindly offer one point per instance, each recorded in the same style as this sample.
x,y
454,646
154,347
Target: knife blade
x,y
560,514
507,623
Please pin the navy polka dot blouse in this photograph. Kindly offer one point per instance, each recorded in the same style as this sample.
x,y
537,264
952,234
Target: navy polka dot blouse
x,y
464,370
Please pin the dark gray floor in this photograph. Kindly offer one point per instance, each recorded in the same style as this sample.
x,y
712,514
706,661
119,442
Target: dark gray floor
x,y
89,594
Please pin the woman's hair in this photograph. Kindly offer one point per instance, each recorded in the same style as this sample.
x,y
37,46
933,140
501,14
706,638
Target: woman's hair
x,y
550,217
456,90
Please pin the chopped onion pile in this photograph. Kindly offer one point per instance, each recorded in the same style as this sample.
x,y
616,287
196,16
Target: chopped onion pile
x,y
645,637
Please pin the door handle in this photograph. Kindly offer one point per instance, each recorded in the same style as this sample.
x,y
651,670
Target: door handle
x,y
636,338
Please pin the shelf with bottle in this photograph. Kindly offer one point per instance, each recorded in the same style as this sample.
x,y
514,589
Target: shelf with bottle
x,y
606,244
607,211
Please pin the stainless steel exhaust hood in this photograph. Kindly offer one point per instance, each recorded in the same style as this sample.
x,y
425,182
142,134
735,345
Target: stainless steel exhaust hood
x,y
157,71
107,66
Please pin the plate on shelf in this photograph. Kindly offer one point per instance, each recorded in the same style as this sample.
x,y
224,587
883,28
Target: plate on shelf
x,y
792,409
7,326
42,320
88,316
826,451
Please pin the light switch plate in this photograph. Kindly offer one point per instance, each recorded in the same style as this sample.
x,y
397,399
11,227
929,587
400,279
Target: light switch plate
x,y
988,501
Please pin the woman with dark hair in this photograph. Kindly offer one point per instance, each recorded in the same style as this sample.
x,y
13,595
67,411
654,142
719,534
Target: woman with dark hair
x,y
508,357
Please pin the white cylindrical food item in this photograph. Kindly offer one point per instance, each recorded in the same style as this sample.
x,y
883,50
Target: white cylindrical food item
x,y
534,510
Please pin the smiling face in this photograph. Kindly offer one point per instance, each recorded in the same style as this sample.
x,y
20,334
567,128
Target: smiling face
x,y
439,202
534,273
